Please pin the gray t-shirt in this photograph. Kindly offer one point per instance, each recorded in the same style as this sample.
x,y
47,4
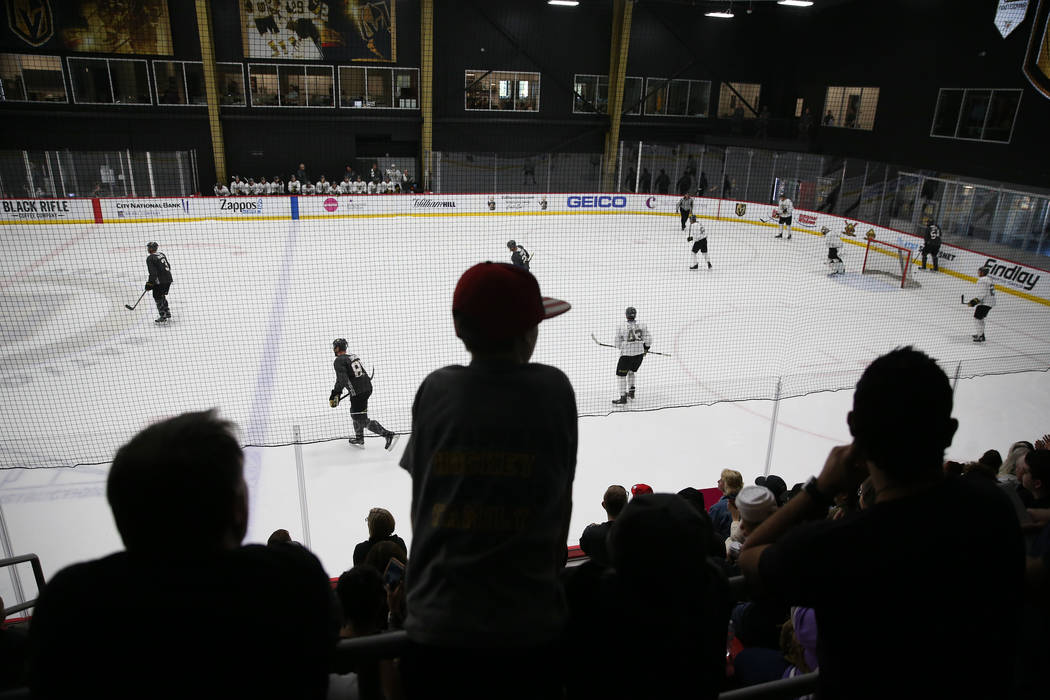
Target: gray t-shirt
x,y
492,457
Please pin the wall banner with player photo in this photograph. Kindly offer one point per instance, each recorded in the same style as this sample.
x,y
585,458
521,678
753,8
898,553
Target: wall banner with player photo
x,y
316,30
96,26
1037,58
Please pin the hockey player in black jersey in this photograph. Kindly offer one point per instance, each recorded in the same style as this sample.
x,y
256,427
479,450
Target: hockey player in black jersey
x,y
159,280
931,244
519,257
351,375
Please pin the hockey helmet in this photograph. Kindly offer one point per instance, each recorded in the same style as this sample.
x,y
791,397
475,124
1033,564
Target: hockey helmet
x,y
512,244
631,313
152,246
339,344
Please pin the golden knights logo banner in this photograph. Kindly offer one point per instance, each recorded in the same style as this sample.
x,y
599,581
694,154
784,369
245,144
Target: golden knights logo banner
x,y
31,20
1037,59
316,30
741,209
96,26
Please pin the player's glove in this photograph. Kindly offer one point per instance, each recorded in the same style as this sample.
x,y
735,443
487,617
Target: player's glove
x,y
646,348
974,302
149,286
333,399
689,238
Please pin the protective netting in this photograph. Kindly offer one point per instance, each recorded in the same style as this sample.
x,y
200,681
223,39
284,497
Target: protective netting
x,y
262,284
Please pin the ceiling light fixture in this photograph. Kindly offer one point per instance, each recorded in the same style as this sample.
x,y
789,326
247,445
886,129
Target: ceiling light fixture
x,y
722,14
796,3
564,3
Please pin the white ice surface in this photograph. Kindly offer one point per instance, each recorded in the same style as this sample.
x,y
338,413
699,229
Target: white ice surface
x,y
256,306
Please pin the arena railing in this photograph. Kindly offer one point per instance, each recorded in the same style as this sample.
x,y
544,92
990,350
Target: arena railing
x,y
38,575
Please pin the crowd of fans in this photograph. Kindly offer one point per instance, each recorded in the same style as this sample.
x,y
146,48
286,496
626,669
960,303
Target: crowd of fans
x,y
892,572
376,181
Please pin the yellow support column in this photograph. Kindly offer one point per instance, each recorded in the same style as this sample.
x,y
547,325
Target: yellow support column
x,y
426,90
621,42
211,89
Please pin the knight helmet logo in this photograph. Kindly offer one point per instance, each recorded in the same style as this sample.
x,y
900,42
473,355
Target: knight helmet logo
x,y
740,208
543,203
1037,58
851,229
31,20
492,204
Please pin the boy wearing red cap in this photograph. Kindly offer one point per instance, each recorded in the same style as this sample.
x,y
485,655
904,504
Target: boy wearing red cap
x,y
492,457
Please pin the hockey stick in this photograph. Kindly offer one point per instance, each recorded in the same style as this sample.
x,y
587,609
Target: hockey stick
x,y
132,308
648,352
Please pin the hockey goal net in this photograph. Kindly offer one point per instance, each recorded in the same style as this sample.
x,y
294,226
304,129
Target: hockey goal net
x,y
888,260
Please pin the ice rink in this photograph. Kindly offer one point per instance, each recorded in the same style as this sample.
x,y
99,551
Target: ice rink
x,y
257,304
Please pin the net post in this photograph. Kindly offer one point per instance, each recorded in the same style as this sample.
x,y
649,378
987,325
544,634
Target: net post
x,y
304,512
773,426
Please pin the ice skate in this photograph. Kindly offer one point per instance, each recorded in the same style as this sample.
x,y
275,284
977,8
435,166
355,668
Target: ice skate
x,y
978,338
779,235
708,264
620,401
630,393
694,267
357,442
789,236
391,440
161,319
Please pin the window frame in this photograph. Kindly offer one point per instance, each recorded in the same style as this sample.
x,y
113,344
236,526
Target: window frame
x,y
21,76
691,83
736,86
987,113
185,87
842,106
109,67
305,87
245,87
500,76
73,83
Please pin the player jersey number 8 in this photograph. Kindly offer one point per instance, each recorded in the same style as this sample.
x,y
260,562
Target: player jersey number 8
x,y
357,368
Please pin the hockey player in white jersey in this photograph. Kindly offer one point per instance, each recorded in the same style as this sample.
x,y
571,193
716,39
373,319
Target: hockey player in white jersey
x,y
984,301
358,186
699,233
277,185
324,186
254,188
633,340
309,188
785,210
221,190
371,187
294,186
266,187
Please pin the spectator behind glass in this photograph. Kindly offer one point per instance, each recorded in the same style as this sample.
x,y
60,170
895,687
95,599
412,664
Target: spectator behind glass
x,y
663,609
867,587
592,542
730,482
1034,468
380,527
492,457
180,503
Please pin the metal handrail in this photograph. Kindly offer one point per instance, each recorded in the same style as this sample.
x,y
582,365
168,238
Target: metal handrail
x,y
38,574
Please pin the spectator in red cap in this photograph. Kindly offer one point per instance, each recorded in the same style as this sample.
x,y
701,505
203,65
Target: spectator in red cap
x,y
640,489
492,457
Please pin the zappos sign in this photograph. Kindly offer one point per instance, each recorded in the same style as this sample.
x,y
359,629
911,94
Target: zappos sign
x,y
598,201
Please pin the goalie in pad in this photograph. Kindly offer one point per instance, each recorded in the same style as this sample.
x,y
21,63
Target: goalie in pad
x,y
834,242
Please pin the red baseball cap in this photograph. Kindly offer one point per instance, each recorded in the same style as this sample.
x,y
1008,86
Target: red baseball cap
x,y
639,489
502,300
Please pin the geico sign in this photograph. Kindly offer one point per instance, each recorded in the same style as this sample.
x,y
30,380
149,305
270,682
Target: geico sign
x,y
599,201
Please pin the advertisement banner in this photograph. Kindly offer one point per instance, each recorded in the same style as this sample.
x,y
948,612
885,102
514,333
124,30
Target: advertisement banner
x,y
320,30
67,211
94,26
